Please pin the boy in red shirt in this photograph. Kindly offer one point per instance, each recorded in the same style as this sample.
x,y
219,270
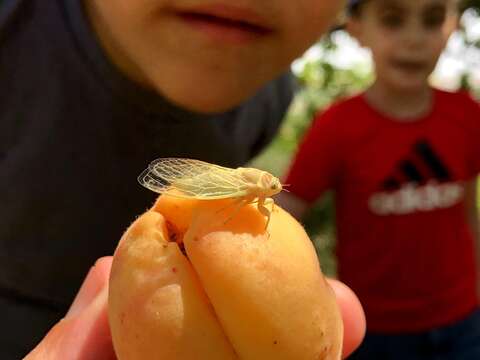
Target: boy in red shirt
x,y
402,158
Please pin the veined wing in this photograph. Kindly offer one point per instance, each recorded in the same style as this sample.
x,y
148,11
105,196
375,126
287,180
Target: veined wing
x,y
193,179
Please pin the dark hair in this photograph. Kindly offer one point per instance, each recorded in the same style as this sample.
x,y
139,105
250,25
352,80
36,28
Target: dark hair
x,y
354,8
351,10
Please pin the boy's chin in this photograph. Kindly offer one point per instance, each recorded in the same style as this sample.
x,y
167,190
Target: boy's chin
x,y
208,100
412,88
410,83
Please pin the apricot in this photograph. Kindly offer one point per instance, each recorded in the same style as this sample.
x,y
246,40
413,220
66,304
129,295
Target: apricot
x,y
199,280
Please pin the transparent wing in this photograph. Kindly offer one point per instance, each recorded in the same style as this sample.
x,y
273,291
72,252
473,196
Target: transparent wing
x,y
193,179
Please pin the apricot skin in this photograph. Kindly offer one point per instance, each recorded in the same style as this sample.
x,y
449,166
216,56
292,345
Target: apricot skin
x,y
240,293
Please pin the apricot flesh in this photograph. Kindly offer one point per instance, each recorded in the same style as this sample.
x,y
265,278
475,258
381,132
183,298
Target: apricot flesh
x,y
204,280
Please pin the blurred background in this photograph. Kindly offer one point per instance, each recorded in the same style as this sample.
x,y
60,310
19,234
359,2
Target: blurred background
x,y
337,67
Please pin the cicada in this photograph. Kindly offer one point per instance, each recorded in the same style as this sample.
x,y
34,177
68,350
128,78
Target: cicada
x,y
197,179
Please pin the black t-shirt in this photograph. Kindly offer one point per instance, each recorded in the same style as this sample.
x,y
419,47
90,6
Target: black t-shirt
x,y
74,135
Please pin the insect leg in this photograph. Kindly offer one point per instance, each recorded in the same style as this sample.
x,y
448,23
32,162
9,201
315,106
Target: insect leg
x,y
262,202
239,204
270,201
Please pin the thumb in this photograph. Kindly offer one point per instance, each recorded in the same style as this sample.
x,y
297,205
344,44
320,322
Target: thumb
x,y
84,333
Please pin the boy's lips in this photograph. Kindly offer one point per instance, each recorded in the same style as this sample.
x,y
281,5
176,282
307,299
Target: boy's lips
x,y
226,23
410,65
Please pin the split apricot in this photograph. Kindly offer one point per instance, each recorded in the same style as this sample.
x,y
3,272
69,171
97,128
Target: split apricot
x,y
195,280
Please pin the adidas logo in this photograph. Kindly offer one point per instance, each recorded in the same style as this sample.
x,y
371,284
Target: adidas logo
x,y
420,183
413,198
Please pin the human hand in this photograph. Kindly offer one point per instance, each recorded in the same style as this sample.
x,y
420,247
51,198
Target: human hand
x,y
84,333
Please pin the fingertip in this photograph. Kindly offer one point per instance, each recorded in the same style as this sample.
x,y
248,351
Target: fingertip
x,y
352,314
102,267
95,281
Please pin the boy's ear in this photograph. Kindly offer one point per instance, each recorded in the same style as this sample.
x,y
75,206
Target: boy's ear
x,y
452,24
453,17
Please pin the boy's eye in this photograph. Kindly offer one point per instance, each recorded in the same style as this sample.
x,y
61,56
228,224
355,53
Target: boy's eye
x,y
391,20
434,18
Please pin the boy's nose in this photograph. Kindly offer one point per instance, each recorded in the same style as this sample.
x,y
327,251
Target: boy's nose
x,y
414,35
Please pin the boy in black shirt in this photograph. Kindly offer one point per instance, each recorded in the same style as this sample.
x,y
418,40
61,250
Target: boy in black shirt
x,y
91,92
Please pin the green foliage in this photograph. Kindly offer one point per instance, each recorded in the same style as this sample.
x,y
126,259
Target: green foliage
x,y
470,4
470,44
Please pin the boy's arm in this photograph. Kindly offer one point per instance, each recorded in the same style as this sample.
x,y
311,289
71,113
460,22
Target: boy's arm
x,y
315,166
472,110
472,217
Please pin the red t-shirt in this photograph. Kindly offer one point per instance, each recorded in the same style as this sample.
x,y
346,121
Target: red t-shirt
x,y
403,241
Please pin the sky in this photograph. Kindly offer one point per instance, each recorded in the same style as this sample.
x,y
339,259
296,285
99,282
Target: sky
x,y
453,63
